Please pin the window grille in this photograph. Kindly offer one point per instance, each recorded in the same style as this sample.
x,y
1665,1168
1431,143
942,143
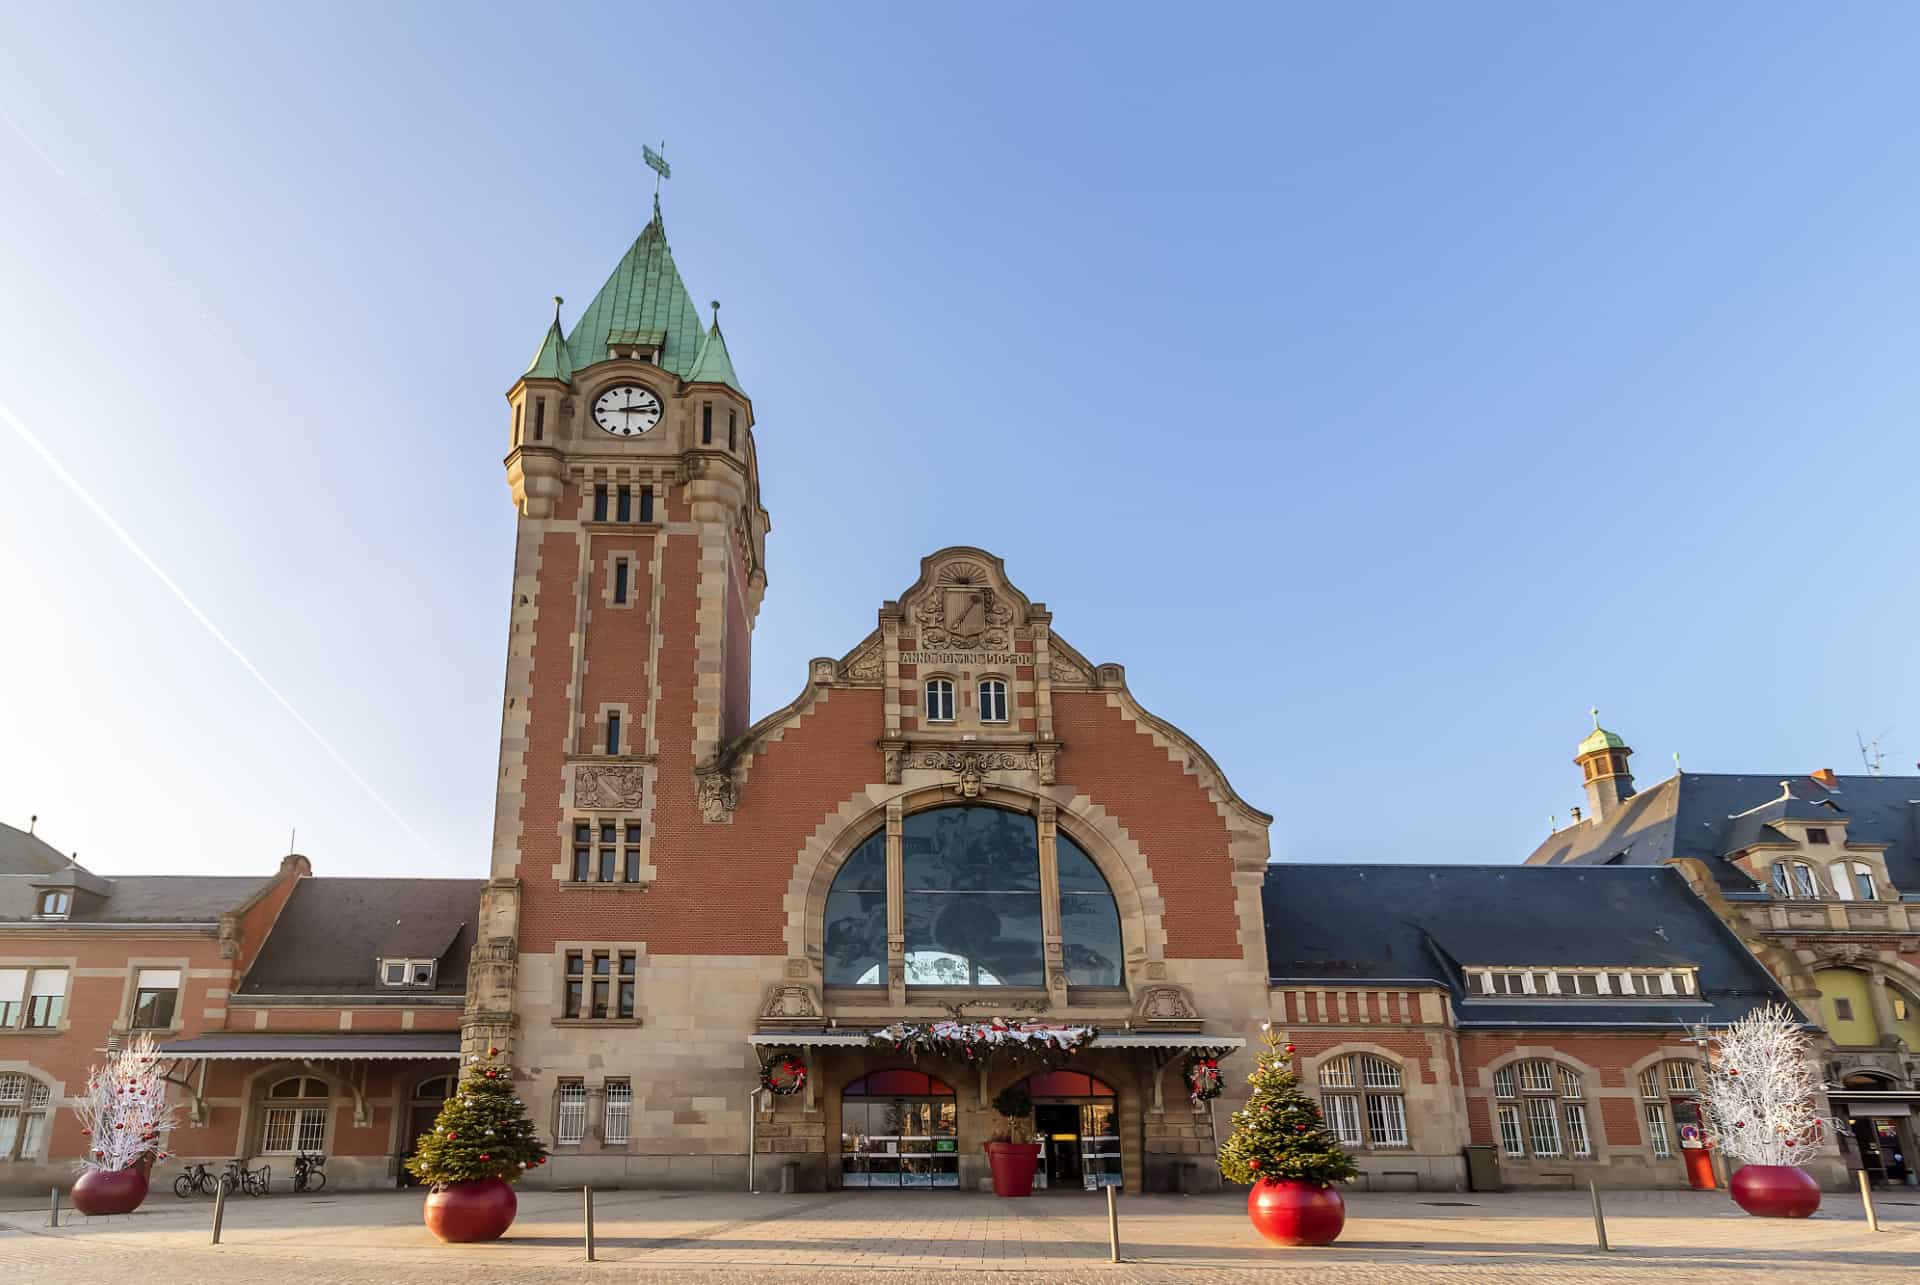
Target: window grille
x,y
1337,1073
1577,1141
1387,1119
1536,1077
1680,1077
1511,1141
573,1113
1543,1126
1343,1117
1378,1073
1503,1082
1657,1129
619,1111
1571,1084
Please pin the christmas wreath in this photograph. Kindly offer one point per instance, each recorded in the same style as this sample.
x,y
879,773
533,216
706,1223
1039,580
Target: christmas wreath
x,y
783,1074
1203,1079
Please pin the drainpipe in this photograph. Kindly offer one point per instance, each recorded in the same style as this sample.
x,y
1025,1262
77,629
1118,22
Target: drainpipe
x,y
753,1120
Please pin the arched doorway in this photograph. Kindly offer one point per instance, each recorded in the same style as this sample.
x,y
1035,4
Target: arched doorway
x,y
1076,1117
1878,1145
899,1129
428,1097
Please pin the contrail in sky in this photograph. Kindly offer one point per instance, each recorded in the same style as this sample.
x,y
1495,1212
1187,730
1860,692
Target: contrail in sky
x,y
28,139
133,547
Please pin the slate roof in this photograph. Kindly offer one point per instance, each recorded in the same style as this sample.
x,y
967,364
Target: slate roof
x,y
1711,815
1427,923
27,854
332,934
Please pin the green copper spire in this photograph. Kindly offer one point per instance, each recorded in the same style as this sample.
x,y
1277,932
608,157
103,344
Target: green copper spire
x,y
712,365
553,361
643,302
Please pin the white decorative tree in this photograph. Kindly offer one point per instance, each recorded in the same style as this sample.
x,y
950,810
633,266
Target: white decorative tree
x,y
124,1112
1760,1103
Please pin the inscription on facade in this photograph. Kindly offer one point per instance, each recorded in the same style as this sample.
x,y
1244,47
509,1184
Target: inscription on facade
x,y
964,658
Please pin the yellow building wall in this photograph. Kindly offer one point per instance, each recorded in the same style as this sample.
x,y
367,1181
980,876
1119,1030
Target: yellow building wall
x,y
1844,983
1908,1030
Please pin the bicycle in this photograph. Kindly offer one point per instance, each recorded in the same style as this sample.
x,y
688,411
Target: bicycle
x,y
308,1172
254,1182
197,1180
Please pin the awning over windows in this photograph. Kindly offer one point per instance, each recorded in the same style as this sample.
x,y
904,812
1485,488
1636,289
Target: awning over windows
x,y
845,1038
345,1045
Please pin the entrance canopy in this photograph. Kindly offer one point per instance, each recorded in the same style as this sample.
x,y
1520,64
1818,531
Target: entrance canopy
x,y
342,1045
1875,1102
853,1037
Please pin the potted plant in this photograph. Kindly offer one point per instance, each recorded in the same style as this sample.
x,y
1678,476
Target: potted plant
x,y
1281,1146
125,1119
1758,1104
1011,1150
481,1143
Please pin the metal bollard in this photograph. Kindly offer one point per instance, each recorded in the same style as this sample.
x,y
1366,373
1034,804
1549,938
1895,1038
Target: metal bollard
x,y
1866,1198
1599,1219
587,1194
1113,1228
219,1208
53,1213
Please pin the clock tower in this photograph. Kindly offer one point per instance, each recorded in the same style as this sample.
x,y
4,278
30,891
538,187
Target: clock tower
x,y
638,573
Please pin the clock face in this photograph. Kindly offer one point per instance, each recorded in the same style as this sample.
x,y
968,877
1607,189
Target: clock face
x,y
626,410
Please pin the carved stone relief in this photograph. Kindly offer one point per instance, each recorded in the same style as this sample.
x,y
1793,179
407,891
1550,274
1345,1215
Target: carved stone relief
x,y
962,611
1165,1004
970,767
790,1004
866,665
716,790
601,785
1067,672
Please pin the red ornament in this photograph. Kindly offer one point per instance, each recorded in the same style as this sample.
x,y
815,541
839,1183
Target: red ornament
x,y
1789,1142
1289,1048
542,1160
486,1157
493,1075
1253,1164
451,1135
1739,1124
492,1052
1733,1070
1299,1128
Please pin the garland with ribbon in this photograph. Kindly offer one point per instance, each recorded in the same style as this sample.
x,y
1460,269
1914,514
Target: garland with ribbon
x,y
783,1074
1203,1078
995,1039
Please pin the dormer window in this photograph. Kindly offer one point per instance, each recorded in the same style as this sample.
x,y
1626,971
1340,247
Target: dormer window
x,y
407,972
1816,835
1795,879
55,904
1580,983
1852,880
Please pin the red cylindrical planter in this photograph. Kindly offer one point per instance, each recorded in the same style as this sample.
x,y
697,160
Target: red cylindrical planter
x,y
467,1211
109,1191
1775,1191
1012,1164
1292,1212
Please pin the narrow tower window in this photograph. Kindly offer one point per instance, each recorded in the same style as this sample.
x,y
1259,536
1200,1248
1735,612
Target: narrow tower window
x,y
623,505
706,423
539,419
733,441
600,503
619,581
613,743
517,408
646,504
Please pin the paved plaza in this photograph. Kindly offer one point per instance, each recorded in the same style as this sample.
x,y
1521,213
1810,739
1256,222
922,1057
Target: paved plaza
x,y
866,1237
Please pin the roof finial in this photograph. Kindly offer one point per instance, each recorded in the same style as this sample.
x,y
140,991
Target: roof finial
x,y
1553,823
33,821
557,301
1676,762
1786,790
1595,711
716,312
657,162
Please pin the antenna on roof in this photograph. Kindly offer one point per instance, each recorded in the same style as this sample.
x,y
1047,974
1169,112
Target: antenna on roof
x,y
33,821
290,834
1870,751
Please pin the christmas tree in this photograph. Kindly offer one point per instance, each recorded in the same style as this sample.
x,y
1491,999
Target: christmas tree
x,y
1761,1097
483,1131
1279,1134
123,1114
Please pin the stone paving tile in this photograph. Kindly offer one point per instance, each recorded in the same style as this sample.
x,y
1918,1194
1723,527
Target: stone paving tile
x,y
876,1238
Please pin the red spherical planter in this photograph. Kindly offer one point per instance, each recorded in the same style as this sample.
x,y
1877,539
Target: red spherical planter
x,y
1291,1212
1775,1191
468,1211
109,1191
1012,1164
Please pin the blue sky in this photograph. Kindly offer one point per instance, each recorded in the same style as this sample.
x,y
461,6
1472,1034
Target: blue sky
x,y
1381,384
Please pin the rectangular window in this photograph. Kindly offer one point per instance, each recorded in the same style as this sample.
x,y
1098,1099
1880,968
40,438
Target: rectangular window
x,y
632,852
623,505
1511,1142
1343,1117
393,972
13,996
600,503
1680,1077
293,1129
1503,1082
156,992
1387,1119
993,701
733,441
1578,1143
1536,1077
46,998
582,852
1649,1084
1509,983
620,581
1543,1126
1337,1074
706,424
613,732
1578,984
602,984
626,985
422,973
516,424
619,1112
573,1113
539,419
1657,1129
576,981
646,504
1816,835
608,859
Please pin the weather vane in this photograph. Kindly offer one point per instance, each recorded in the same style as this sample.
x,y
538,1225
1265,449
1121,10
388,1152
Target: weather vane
x,y
657,162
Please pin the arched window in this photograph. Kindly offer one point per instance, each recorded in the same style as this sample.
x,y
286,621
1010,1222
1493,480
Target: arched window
x,y
1375,1118
1852,880
971,906
1795,879
899,1129
993,700
296,1117
23,1116
939,700
1667,1093
1532,1101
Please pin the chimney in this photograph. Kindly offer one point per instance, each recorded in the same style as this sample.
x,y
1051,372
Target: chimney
x,y
1826,777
